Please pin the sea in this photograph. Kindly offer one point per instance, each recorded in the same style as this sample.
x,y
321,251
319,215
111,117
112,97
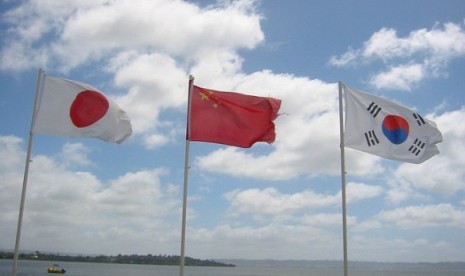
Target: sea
x,y
242,268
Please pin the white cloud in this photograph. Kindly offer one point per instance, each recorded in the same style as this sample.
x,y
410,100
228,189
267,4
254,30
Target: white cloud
x,y
402,77
367,225
385,44
245,242
150,55
397,249
151,63
345,59
155,140
359,191
324,219
11,162
124,196
271,202
400,192
75,153
442,174
29,23
78,204
441,215
10,146
151,89
93,30
307,133
420,55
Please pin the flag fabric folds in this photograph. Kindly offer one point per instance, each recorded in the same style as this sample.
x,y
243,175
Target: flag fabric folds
x,y
74,109
387,129
231,118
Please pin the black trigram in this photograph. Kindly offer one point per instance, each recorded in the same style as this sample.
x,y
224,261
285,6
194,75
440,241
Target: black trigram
x,y
420,120
371,138
417,147
374,109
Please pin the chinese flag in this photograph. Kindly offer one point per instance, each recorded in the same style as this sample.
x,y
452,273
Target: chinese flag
x,y
231,118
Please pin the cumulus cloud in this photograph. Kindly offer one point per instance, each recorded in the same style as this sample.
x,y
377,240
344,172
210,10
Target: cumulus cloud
x,y
324,219
150,92
425,216
401,77
360,191
75,153
292,240
442,174
149,58
11,163
80,205
421,55
270,201
307,140
92,30
151,62
150,55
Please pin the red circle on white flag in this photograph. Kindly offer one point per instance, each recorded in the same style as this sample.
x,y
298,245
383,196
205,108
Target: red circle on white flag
x,y
88,107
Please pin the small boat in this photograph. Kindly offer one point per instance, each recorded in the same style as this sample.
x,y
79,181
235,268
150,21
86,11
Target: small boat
x,y
55,269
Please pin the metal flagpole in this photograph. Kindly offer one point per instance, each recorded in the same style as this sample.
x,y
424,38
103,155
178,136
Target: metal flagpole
x,y
343,181
186,177
26,174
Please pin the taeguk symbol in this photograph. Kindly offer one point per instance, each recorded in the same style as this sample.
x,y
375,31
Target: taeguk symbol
x,y
396,129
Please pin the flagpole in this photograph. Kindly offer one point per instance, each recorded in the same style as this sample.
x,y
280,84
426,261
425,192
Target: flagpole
x,y
186,177
343,181
26,174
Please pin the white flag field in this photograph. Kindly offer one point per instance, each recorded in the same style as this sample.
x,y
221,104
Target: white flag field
x,y
74,109
387,129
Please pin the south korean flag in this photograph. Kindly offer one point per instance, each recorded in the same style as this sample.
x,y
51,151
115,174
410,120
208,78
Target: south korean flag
x,y
387,129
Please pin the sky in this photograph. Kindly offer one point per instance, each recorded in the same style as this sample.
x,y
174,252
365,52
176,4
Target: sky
x,y
272,201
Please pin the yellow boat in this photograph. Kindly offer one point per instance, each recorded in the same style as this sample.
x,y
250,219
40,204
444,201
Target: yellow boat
x,y
55,269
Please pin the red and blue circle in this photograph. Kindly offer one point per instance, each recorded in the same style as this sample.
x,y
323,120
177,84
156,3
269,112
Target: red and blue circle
x,y
396,129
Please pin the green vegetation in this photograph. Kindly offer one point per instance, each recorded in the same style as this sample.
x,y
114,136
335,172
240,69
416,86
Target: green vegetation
x,y
119,259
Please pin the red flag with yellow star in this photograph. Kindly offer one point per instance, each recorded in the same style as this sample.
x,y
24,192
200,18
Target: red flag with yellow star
x,y
231,118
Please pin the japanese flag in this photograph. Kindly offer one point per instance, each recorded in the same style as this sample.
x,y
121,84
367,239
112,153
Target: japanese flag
x,y
74,109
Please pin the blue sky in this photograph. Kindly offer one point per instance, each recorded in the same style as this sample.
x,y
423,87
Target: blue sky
x,y
279,201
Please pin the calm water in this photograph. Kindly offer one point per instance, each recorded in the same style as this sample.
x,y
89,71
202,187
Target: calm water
x,y
243,268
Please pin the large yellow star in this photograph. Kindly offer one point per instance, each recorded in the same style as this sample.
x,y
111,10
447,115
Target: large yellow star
x,y
204,96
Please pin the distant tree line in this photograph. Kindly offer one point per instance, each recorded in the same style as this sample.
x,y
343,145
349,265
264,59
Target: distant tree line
x,y
119,259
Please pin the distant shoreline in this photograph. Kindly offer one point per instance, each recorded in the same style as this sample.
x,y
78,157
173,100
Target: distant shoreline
x,y
118,259
354,265
226,262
